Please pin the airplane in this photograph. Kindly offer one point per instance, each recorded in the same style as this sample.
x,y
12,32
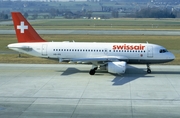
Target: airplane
x,y
112,57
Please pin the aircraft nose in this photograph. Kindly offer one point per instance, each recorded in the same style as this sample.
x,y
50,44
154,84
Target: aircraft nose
x,y
171,56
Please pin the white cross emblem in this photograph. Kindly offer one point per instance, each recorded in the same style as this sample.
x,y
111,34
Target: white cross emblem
x,y
22,27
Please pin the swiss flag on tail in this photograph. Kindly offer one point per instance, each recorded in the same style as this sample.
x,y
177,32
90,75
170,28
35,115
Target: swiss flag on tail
x,y
24,31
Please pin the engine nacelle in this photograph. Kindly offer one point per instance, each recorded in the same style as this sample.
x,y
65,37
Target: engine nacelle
x,y
116,67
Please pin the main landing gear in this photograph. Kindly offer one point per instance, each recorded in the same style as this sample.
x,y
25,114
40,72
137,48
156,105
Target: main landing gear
x,y
93,71
148,68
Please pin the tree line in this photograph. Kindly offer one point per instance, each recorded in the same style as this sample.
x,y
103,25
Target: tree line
x,y
3,16
155,13
68,14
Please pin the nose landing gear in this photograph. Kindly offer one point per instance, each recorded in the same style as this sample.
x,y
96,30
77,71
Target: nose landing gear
x,y
148,68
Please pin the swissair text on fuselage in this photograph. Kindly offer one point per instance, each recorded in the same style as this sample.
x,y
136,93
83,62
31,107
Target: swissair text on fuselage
x,y
128,47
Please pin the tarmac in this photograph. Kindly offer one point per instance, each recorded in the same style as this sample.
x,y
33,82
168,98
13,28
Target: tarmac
x,y
95,32
68,91
103,32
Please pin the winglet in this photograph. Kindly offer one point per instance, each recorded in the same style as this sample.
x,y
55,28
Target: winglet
x,y
24,31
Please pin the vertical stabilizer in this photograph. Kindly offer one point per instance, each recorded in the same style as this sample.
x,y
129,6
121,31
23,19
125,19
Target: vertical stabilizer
x,y
24,31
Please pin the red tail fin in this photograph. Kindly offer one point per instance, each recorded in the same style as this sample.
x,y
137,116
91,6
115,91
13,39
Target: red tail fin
x,y
24,31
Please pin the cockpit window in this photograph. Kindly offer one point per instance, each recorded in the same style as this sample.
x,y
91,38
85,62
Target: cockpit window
x,y
163,51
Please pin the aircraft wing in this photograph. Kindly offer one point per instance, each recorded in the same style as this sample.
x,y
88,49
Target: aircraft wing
x,y
100,59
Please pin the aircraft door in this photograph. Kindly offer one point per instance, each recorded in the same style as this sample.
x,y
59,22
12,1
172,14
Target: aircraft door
x,y
150,52
44,49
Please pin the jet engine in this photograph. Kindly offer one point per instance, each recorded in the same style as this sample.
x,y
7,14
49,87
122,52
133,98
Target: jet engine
x,y
116,67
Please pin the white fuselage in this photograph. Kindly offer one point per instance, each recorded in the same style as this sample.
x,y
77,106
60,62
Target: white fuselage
x,y
142,53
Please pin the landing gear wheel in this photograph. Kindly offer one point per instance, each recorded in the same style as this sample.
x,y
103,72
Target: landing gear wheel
x,y
92,72
148,70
